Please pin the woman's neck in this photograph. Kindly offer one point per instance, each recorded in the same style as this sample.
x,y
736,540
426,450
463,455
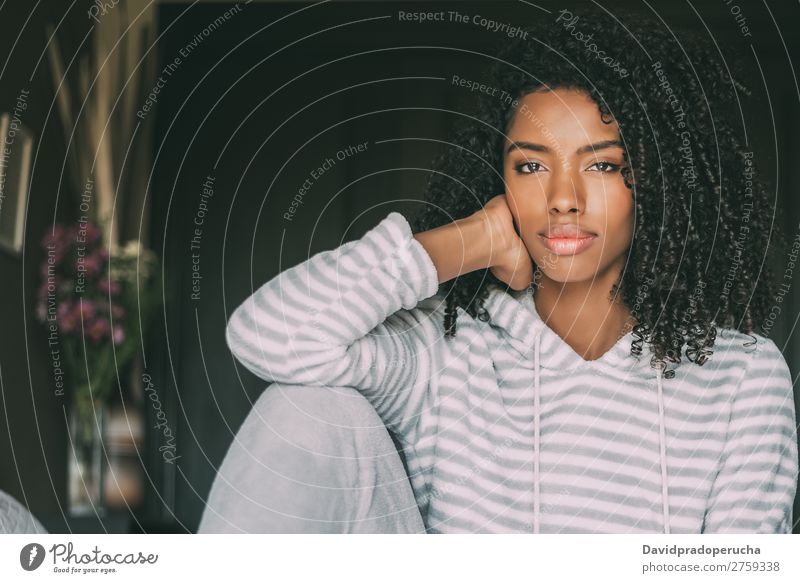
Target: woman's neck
x,y
582,313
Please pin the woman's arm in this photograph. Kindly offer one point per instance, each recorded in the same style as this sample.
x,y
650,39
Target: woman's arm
x,y
487,238
349,317
755,487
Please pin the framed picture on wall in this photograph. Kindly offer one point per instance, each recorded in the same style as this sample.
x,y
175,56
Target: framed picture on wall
x,y
16,148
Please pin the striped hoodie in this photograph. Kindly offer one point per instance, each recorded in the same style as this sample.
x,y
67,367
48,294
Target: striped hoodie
x,y
505,428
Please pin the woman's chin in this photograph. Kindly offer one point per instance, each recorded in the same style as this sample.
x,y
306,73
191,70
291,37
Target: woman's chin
x,y
570,271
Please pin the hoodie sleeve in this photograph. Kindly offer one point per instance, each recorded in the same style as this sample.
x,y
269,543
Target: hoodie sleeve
x,y
755,488
349,317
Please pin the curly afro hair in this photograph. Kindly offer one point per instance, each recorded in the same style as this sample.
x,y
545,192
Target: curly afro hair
x,y
704,223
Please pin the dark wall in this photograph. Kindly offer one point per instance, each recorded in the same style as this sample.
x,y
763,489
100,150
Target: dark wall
x,y
32,422
207,394
249,108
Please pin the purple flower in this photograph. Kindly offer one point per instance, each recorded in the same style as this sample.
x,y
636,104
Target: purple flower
x,y
98,329
118,312
118,335
58,234
68,317
88,309
56,243
109,288
95,262
75,255
92,233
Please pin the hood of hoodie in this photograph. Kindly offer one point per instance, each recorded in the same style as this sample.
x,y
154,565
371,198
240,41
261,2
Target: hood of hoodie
x,y
540,348
514,313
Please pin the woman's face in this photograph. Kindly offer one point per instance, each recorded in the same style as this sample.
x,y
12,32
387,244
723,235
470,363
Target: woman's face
x,y
561,166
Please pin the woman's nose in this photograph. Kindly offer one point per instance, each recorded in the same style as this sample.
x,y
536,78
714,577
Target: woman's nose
x,y
566,194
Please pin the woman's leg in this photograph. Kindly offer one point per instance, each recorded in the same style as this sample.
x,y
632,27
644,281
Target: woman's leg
x,y
312,459
16,519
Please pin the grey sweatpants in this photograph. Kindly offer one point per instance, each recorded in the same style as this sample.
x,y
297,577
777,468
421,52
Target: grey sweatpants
x,y
312,460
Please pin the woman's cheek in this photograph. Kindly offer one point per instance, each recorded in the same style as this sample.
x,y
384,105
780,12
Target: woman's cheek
x,y
623,209
620,225
524,214
524,197
524,203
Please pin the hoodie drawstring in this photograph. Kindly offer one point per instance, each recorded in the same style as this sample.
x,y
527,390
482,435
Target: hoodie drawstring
x,y
537,435
662,440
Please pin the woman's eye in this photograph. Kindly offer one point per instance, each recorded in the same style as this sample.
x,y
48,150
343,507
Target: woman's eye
x,y
604,166
528,167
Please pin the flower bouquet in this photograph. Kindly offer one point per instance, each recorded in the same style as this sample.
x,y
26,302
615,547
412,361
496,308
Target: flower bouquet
x,y
97,304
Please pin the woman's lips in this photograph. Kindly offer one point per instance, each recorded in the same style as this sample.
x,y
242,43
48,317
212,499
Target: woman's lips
x,y
567,245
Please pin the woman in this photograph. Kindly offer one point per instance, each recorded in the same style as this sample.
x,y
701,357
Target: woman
x,y
579,354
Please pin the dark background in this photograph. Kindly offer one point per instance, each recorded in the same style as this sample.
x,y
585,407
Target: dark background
x,y
257,105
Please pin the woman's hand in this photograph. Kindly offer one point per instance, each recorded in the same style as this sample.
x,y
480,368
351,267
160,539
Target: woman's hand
x,y
509,259
485,239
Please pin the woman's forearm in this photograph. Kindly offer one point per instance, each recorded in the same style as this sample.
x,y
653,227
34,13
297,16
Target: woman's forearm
x,y
459,247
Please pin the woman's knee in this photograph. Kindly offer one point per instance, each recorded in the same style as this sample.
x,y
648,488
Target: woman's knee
x,y
324,419
310,459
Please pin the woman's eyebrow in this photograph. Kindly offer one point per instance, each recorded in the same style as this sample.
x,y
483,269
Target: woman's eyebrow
x,y
599,146
527,146
534,147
